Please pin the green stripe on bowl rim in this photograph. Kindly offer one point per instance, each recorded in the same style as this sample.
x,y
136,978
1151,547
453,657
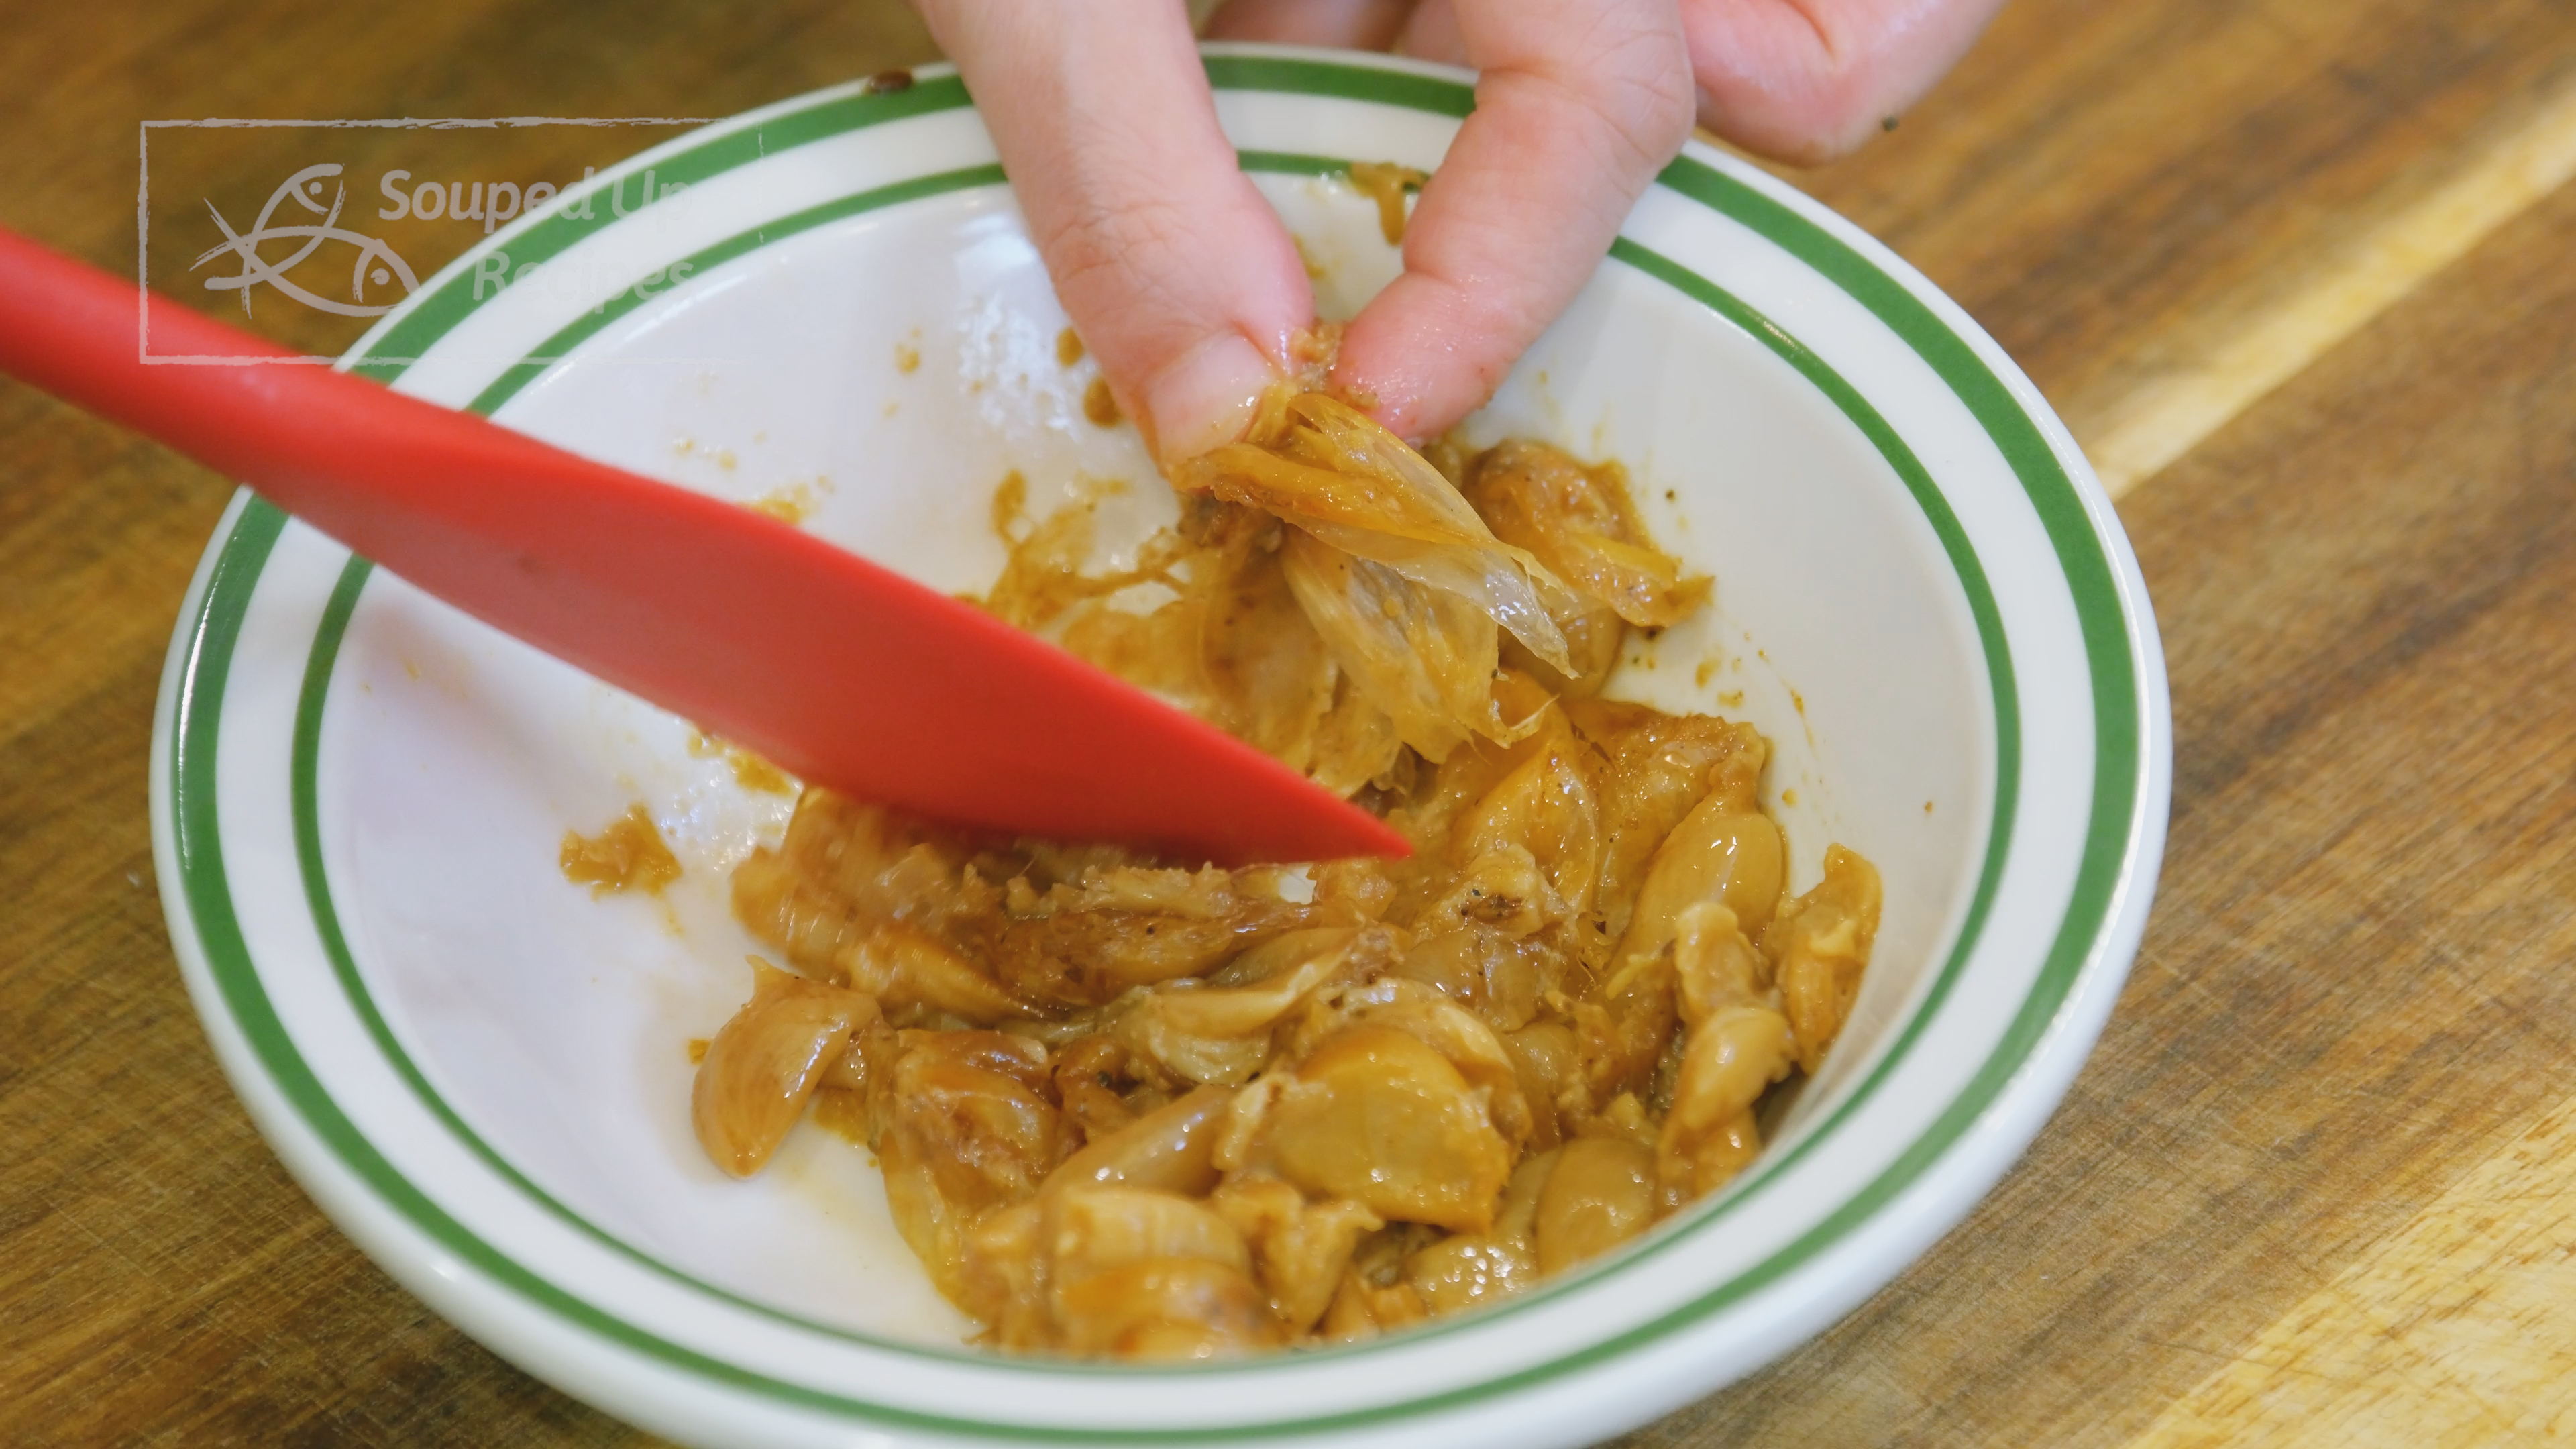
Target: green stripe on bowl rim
x,y
2117,705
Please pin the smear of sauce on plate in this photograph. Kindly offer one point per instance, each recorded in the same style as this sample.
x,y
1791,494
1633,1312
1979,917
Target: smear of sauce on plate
x,y
791,505
1098,405
750,771
1385,183
627,855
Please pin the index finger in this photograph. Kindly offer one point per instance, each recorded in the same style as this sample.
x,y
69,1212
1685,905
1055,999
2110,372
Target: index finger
x,y
1177,274
1577,108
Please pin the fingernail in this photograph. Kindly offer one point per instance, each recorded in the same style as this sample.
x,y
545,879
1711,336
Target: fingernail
x,y
1206,399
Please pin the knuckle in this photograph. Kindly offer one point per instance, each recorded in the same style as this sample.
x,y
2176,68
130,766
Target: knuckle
x,y
1116,244
1632,86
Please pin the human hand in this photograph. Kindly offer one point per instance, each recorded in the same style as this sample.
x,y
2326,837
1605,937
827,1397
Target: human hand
x,y
1182,282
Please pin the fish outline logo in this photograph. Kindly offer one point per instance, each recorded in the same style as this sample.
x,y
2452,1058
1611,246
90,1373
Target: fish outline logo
x,y
376,262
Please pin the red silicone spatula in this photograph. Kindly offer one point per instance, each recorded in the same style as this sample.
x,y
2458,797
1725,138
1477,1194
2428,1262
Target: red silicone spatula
x,y
840,671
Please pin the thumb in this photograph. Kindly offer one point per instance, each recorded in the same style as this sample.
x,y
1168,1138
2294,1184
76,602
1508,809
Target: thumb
x,y
1177,274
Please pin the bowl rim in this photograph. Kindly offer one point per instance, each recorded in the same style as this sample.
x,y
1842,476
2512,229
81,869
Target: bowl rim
x,y
2020,1085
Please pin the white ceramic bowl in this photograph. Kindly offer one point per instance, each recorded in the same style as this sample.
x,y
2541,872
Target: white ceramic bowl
x,y
478,1071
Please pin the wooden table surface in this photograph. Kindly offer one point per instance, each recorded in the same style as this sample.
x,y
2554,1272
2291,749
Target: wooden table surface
x,y
2301,275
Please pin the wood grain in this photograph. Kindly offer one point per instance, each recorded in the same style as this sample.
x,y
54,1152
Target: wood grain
x,y
2314,1178
2354,987
2123,194
2453,1332
2377,261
